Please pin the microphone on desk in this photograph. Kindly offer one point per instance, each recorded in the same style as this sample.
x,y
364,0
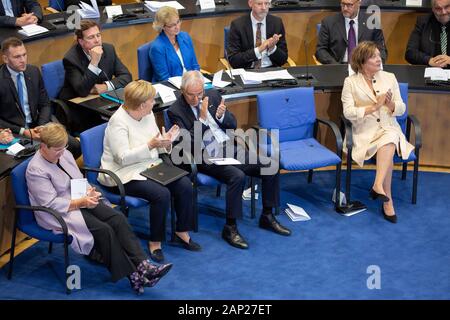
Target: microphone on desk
x,y
113,87
306,76
62,11
230,69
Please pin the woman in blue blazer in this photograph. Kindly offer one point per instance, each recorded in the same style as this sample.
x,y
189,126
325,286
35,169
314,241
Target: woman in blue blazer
x,y
172,52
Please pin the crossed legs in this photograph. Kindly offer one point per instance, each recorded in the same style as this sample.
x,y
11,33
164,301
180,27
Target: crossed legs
x,y
383,177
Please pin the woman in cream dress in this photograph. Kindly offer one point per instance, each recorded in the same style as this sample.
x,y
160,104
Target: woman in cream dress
x,y
371,101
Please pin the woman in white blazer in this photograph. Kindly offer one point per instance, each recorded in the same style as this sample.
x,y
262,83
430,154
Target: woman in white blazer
x,y
132,143
371,101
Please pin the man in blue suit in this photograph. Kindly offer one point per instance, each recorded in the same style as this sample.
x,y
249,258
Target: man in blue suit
x,y
172,52
19,13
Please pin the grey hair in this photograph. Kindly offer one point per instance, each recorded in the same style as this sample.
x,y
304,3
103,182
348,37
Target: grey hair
x,y
191,77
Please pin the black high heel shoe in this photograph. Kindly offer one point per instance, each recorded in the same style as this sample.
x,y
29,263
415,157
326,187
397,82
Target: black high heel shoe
x,y
391,219
375,195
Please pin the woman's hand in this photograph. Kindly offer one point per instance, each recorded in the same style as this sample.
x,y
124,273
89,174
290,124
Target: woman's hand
x,y
159,142
172,134
90,202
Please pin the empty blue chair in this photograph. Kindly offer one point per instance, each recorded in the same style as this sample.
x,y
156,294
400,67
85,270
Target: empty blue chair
x,y
25,221
53,74
145,71
58,5
292,112
405,121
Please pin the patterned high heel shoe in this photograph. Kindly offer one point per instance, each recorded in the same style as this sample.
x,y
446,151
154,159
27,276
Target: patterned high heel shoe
x,y
137,282
152,273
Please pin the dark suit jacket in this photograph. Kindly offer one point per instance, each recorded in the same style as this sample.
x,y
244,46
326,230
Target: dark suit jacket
x,y
79,80
181,114
332,42
19,7
424,41
241,46
11,114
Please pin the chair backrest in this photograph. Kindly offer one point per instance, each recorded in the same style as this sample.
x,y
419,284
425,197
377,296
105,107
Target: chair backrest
x,y
404,94
292,111
145,71
59,5
53,74
91,142
20,188
167,122
226,33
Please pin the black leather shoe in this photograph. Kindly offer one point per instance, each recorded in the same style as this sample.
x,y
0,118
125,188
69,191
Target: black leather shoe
x,y
391,219
157,255
192,246
375,195
231,235
268,222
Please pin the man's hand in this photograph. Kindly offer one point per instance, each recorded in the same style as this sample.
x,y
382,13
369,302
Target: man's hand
x,y
221,109
96,54
26,19
99,88
204,109
6,136
441,61
273,41
34,134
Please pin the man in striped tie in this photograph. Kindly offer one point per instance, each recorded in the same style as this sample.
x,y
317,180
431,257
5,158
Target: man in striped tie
x,y
428,43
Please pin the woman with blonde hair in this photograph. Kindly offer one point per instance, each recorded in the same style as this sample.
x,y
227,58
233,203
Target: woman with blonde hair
x,y
97,229
132,143
172,52
371,101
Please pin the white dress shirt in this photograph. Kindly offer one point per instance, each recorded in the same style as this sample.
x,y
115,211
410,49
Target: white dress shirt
x,y
264,56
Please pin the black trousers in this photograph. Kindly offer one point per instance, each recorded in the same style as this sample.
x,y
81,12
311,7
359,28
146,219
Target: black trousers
x,y
74,147
234,178
159,197
117,244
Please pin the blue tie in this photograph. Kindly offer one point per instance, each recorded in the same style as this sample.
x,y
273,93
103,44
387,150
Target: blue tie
x,y
20,91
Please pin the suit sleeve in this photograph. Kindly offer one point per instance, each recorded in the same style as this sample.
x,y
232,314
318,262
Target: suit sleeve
x,y
413,53
238,57
400,106
280,56
44,107
81,82
7,21
351,111
6,124
35,7
159,63
322,50
121,74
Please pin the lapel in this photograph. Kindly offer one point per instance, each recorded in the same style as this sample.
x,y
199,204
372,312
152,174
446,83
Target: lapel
x,y
248,31
187,110
12,88
170,50
29,84
340,26
361,25
364,87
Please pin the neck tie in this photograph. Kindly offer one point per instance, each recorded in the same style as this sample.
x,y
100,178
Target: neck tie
x,y
258,43
20,91
351,41
443,41
197,108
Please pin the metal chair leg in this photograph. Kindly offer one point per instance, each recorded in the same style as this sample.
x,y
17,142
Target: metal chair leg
x,y
252,200
50,247
13,245
172,219
310,175
195,205
338,185
404,170
66,263
415,179
218,191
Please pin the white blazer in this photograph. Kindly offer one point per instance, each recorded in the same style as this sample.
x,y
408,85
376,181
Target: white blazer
x,y
125,148
356,95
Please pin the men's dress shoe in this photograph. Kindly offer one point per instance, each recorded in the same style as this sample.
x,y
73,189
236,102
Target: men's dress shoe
x,y
375,195
392,219
157,255
268,222
231,235
192,246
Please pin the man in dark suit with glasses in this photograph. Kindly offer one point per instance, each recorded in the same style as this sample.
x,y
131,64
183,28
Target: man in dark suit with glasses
x,y
428,43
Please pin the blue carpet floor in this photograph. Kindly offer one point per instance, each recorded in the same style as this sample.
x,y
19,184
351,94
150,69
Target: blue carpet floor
x,y
325,258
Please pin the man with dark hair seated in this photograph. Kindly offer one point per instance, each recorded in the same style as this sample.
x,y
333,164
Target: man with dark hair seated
x,y
25,105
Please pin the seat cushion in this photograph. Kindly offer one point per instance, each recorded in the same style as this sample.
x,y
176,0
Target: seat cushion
x,y
305,155
35,231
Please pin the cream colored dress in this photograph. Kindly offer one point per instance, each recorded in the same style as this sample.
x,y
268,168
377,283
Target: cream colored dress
x,y
372,131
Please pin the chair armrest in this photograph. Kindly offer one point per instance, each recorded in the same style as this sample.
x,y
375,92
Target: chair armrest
x,y
417,130
203,71
50,211
291,62
116,180
333,126
62,113
317,62
51,10
348,132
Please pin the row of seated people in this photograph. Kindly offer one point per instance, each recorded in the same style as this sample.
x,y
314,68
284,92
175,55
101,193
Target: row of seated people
x,y
258,39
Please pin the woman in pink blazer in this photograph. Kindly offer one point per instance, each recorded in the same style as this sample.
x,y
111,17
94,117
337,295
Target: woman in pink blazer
x,y
371,101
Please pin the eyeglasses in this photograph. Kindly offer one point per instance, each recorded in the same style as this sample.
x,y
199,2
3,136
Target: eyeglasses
x,y
195,95
348,5
57,150
173,25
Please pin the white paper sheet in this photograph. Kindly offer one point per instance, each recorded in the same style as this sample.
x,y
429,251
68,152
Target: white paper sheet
x,y
78,188
224,161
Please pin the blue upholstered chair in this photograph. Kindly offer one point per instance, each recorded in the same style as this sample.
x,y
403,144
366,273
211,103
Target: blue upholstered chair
x,y
145,71
92,148
53,74
25,221
292,112
405,121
